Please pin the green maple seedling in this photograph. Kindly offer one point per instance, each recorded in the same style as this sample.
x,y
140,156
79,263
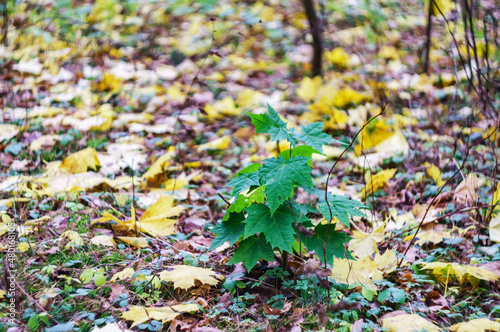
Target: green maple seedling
x,y
264,217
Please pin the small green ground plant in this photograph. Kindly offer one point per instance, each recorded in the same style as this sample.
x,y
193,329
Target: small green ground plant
x,y
264,216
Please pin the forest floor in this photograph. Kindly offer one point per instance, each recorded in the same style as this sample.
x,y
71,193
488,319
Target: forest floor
x,y
122,123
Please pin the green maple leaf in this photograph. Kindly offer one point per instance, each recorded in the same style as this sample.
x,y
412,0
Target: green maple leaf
x,y
272,124
334,244
244,179
276,227
251,250
301,150
244,200
229,230
342,207
280,175
313,135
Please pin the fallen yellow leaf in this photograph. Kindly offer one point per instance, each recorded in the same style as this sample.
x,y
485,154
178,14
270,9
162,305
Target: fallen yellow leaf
x,y
138,242
7,131
464,273
122,275
103,240
80,161
476,325
408,323
362,271
429,236
378,181
221,143
156,173
73,238
309,88
23,246
387,262
139,315
494,228
373,135
365,244
221,108
184,276
435,173
156,219
338,57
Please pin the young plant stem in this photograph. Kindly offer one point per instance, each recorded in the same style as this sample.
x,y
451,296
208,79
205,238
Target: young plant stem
x,y
331,171
284,260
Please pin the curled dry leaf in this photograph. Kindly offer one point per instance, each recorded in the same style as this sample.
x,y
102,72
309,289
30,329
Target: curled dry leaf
x,y
277,312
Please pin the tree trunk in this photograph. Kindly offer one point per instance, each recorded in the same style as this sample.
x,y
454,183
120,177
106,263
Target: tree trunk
x,y
428,40
316,32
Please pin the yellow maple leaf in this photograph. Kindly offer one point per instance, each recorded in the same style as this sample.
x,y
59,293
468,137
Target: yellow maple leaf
x,y
122,275
176,93
396,143
221,108
309,88
73,238
103,240
23,246
10,201
338,57
156,173
378,181
221,143
139,315
249,98
156,219
372,135
435,173
388,52
80,161
429,236
179,181
362,271
494,228
408,323
184,276
365,244
387,262
476,325
348,96
108,83
2,294
7,131
139,242
44,141
442,271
